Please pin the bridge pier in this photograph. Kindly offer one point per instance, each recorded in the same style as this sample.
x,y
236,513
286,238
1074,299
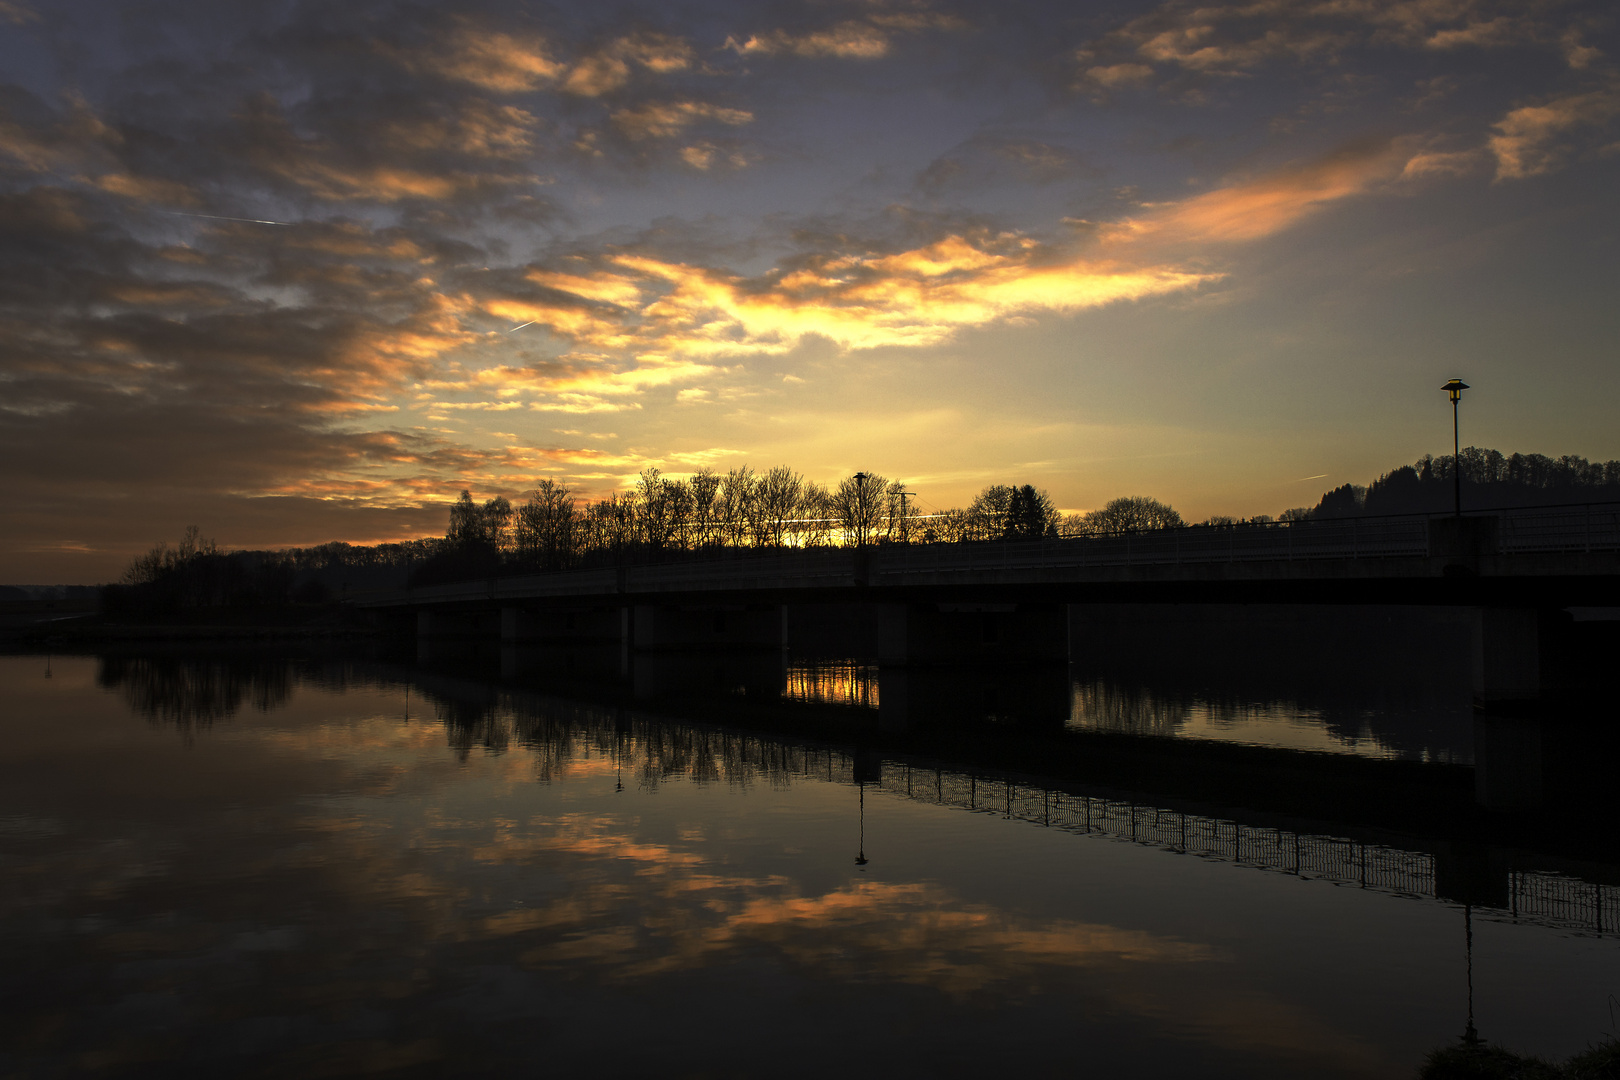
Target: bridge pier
x,y
1508,772
748,673
570,626
455,634
671,627
1026,696
1508,646
919,634
467,623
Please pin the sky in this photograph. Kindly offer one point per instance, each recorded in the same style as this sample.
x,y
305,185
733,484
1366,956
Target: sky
x,y
298,272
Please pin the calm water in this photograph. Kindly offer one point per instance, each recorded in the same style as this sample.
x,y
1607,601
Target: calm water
x,y
308,866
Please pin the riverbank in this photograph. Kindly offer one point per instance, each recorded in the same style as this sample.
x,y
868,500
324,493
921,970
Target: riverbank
x,y
47,629
1485,1062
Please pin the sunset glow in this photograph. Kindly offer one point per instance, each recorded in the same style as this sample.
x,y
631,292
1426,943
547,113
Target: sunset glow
x,y
304,275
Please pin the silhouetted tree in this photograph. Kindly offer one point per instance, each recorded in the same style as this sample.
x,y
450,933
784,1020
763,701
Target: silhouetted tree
x,y
544,532
859,505
776,503
1030,515
1132,513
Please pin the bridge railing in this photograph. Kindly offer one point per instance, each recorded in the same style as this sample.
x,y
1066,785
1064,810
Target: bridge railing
x,y
1593,527
1532,530
1342,539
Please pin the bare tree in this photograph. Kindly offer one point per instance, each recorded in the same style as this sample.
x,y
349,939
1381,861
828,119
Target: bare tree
x,y
813,525
987,514
859,504
544,532
655,508
776,503
705,489
735,504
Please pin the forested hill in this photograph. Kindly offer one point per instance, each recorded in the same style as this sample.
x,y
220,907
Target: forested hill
x,y
1490,479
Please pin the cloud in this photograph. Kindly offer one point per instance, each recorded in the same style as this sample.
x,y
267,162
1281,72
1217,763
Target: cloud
x,y
663,119
1255,209
504,62
1117,75
1526,142
848,40
1231,38
988,160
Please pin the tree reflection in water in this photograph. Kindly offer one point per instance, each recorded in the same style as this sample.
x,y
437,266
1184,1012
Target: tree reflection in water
x,y
190,693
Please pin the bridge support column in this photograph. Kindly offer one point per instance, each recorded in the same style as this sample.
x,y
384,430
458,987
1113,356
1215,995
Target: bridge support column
x,y
465,624
707,627
922,634
1507,763
562,626
455,635
1507,656
707,673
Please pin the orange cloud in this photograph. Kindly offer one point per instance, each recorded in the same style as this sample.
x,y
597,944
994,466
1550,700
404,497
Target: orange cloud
x,y
848,40
1525,140
1259,208
663,119
506,63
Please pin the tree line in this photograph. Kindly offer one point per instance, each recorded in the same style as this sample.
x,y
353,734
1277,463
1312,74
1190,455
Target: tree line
x,y
711,513
707,514
1490,480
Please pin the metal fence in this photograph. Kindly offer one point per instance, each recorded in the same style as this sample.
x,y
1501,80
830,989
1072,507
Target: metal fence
x,y
1594,527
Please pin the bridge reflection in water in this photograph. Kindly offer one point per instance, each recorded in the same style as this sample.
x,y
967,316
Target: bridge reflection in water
x,y
1428,858
1421,858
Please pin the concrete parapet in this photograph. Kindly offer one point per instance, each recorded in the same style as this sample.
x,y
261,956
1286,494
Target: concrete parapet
x,y
1464,537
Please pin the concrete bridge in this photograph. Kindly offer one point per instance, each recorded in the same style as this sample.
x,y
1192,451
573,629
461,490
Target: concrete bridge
x,y
1509,579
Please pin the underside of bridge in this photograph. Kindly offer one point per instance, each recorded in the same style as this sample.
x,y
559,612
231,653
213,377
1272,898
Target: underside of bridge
x,y
1509,656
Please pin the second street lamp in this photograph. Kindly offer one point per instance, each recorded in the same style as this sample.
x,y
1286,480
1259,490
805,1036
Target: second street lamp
x,y
1455,388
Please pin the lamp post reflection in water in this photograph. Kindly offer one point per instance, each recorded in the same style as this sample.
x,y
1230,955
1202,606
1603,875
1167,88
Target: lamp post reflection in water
x,y
860,852
1470,1035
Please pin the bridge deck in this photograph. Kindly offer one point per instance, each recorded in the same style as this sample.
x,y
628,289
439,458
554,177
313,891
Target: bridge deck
x,y
1579,543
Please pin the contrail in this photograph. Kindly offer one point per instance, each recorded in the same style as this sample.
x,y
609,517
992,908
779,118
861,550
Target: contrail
x,y
217,217
515,329
1318,476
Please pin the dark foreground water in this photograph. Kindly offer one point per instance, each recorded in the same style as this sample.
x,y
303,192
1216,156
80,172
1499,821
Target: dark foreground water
x,y
307,866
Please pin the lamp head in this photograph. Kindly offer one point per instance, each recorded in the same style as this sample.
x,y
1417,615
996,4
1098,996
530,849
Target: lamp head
x,y
1455,388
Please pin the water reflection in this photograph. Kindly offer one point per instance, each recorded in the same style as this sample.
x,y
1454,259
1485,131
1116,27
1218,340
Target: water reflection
x,y
1424,730
192,693
833,682
530,874
564,736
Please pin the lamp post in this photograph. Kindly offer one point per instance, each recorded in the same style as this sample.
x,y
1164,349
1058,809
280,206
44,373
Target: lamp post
x,y
1455,388
860,509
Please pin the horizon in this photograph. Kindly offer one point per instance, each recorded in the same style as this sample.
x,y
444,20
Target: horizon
x,y
294,273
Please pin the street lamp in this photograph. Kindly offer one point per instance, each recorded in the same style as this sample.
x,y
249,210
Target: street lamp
x,y
1455,388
